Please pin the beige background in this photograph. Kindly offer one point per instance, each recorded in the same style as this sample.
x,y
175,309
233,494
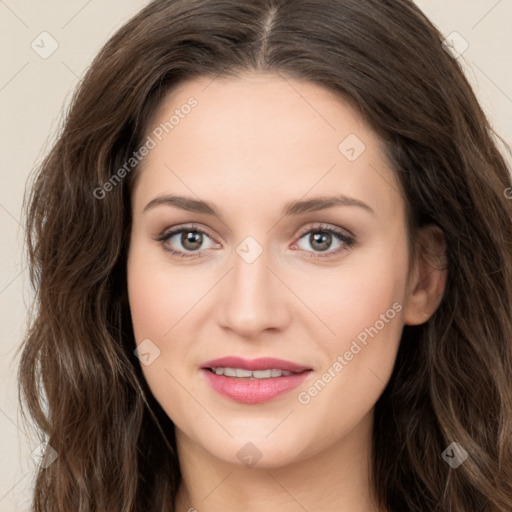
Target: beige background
x,y
33,93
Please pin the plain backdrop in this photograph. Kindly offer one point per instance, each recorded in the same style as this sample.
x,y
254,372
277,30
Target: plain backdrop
x,y
36,87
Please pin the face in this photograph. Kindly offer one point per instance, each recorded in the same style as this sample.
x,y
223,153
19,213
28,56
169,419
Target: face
x,y
265,270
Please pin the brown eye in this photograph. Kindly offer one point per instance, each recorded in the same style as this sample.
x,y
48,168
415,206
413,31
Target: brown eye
x,y
321,239
191,240
186,241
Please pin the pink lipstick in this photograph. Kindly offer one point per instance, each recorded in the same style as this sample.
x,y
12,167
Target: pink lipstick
x,y
253,381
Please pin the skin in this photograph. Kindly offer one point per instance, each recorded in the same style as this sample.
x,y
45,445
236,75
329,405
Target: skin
x,y
253,144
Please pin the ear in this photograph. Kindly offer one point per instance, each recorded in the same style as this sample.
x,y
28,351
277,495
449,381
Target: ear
x,y
427,279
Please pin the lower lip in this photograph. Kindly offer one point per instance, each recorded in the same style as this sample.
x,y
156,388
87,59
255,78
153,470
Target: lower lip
x,y
254,391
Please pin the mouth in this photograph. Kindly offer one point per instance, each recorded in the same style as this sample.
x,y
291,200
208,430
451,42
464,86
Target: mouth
x,y
253,381
240,373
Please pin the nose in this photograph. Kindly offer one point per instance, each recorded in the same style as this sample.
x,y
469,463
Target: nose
x,y
253,298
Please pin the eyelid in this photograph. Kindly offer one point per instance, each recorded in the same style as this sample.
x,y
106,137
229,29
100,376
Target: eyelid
x,y
167,233
320,226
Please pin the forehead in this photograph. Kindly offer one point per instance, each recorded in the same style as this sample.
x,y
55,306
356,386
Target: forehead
x,y
260,134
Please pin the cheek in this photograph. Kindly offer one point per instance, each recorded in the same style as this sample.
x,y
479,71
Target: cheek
x,y
365,311
160,296
159,301
361,293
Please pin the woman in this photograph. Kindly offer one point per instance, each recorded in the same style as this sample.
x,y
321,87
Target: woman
x,y
272,255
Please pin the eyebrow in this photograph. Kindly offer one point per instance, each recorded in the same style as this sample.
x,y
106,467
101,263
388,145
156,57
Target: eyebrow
x,y
292,208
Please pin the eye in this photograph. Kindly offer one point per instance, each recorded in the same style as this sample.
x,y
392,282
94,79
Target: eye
x,y
185,242
188,241
321,239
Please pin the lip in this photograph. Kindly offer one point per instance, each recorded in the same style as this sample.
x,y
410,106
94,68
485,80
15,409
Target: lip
x,y
254,391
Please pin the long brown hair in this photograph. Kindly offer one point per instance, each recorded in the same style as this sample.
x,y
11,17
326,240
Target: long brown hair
x,y
452,381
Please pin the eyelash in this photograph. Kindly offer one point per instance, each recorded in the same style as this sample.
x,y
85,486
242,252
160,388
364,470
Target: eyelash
x,y
347,240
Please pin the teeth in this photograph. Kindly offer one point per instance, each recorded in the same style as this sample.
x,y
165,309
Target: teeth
x,y
248,374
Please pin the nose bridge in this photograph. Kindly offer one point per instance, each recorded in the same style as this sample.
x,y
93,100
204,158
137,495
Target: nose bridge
x,y
251,275
253,301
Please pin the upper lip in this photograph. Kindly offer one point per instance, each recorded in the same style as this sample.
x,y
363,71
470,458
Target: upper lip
x,y
262,363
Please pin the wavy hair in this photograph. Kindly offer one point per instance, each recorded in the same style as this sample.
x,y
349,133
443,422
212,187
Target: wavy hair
x,y
452,380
